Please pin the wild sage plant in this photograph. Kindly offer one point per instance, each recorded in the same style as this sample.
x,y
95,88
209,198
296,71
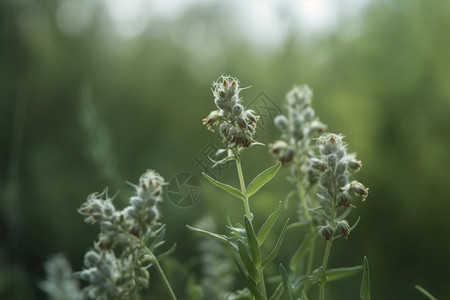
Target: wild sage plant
x,y
117,265
322,186
237,127
321,173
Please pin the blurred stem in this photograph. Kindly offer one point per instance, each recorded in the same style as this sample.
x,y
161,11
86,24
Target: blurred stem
x,y
330,241
301,195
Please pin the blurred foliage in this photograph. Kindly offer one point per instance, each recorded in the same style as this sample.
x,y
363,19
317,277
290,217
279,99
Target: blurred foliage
x,y
382,81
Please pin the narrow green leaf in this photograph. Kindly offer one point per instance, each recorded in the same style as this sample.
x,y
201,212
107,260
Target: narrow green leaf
x,y
278,291
255,251
301,251
248,263
365,283
305,297
228,188
286,284
216,236
249,283
265,229
167,253
158,239
425,292
288,198
339,273
262,178
354,225
274,252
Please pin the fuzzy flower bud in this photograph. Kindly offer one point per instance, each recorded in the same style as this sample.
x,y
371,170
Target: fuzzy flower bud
x,y
354,164
281,122
343,228
326,232
359,189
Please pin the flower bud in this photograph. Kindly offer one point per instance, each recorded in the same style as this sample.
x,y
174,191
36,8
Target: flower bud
x,y
354,164
359,189
308,114
344,199
332,160
241,122
341,167
281,122
318,164
342,180
326,232
344,228
237,110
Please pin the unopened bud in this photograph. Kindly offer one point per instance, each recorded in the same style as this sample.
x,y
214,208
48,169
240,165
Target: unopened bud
x,y
326,232
359,189
281,122
344,228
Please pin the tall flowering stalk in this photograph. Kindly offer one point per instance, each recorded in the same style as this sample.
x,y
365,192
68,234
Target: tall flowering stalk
x,y
322,180
117,265
237,127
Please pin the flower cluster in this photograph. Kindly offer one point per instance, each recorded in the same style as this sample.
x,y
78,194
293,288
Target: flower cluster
x,y
333,168
120,277
60,282
236,125
298,127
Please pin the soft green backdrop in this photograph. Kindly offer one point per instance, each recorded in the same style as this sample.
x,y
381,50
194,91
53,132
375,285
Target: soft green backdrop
x,y
85,110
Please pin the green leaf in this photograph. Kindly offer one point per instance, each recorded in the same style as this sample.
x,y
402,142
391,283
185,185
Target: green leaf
x,y
301,251
286,284
278,291
305,297
248,263
219,237
249,283
265,229
274,252
233,191
167,253
365,283
252,242
288,198
425,292
339,273
262,178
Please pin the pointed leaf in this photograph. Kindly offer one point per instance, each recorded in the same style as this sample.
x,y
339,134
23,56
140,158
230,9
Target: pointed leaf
x,y
248,263
216,236
288,198
232,190
265,229
262,178
365,283
278,291
252,242
167,253
274,252
305,297
425,292
339,273
301,251
249,283
286,284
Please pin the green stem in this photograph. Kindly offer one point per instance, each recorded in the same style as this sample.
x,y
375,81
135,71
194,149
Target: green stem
x,y
301,195
164,278
249,216
310,264
244,192
329,242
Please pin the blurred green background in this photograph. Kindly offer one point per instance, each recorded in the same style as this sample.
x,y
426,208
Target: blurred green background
x,y
93,93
